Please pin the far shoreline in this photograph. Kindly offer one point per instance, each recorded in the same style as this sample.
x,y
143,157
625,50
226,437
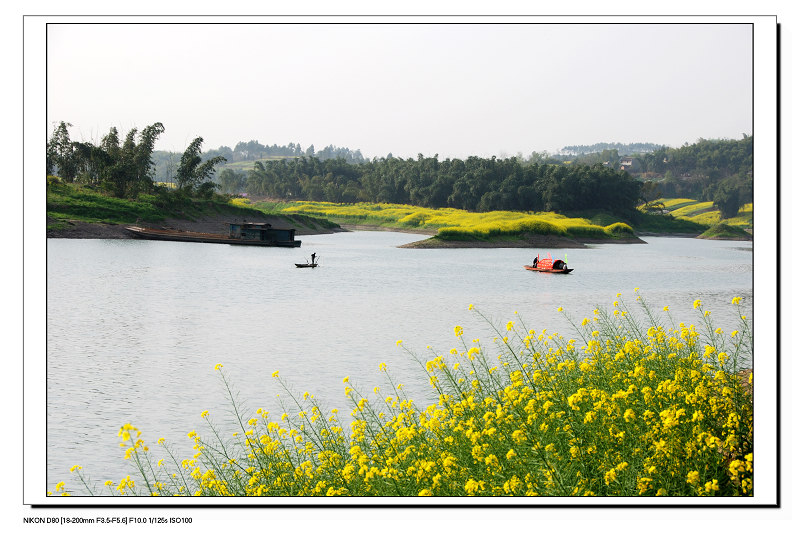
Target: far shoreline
x,y
75,229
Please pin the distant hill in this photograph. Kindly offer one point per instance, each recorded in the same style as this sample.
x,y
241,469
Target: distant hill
x,y
621,148
245,154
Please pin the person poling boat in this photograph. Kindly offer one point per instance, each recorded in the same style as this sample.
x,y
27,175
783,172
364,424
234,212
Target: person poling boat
x,y
548,264
312,264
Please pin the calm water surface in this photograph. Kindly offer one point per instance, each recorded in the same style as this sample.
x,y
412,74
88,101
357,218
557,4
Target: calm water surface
x,y
135,327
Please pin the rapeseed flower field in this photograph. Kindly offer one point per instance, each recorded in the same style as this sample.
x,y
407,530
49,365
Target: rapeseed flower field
x,y
633,405
454,224
704,212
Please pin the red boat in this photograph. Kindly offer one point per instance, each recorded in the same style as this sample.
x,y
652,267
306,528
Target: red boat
x,y
548,265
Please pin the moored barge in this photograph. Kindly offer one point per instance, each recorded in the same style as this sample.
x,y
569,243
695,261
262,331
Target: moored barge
x,y
241,234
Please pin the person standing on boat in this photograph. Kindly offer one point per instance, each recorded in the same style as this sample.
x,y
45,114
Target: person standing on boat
x,y
536,261
313,256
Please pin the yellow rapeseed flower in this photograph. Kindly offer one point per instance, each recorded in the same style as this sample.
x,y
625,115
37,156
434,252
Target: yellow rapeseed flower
x,y
693,477
275,374
218,366
696,304
458,330
736,300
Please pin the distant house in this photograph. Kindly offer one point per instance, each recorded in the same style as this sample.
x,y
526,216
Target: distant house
x,y
630,164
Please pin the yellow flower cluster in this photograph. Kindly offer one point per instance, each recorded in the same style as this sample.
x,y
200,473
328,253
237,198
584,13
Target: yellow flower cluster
x,y
634,411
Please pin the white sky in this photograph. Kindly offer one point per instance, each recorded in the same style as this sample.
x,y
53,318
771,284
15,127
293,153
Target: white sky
x,y
453,89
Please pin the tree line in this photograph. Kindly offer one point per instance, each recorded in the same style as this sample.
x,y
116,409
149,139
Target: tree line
x,y
166,161
125,168
621,148
475,184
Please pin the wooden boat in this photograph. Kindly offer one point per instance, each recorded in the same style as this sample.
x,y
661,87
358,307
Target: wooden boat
x,y
548,270
307,265
241,234
549,265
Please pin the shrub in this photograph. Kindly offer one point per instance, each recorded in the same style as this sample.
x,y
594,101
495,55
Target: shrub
x,y
619,229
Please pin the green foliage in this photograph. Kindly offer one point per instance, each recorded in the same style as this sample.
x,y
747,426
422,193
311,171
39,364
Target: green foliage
x,y
666,223
124,170
731,194
76,202
60,155
474,184
709,170
721,230
704,212
619,229
193,171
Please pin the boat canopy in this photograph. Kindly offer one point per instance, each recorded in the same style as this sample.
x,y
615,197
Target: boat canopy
x,y
548,263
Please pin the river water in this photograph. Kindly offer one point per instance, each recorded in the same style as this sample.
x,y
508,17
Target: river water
x,y
135,327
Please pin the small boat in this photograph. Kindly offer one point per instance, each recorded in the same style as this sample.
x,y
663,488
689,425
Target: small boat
x,y
313,264
548,265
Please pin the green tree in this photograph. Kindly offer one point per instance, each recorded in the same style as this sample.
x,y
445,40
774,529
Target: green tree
x,y
192,171
231,181
143,166
61,155
726,199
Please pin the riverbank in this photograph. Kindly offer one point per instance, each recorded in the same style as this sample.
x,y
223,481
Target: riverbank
x,y
531,241
217,223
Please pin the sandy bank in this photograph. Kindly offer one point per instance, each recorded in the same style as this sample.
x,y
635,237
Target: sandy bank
x,y
532,241
360,227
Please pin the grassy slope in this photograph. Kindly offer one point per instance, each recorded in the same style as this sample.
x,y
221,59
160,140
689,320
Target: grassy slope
x,y
73,202
721,230
704,213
